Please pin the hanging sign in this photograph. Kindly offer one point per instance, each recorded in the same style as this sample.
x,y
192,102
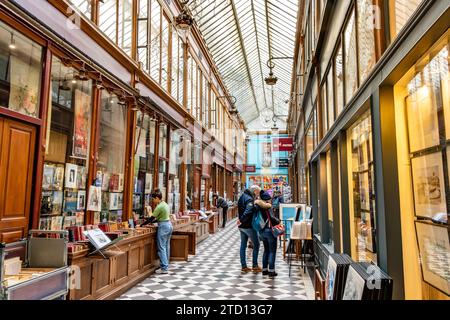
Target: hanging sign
x,y
282,144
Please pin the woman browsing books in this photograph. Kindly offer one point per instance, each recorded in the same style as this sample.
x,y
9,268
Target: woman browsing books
x,y
162,215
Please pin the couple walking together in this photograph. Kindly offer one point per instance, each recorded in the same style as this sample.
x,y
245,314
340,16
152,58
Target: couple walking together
x,y
251,202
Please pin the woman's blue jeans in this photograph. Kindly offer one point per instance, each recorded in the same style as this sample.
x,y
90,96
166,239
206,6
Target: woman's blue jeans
x,y
245,234
270,249
163,235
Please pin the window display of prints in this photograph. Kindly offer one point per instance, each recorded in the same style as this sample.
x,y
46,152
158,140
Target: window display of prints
x,y
94,199
330,279
429,188
81,177
434,249
71,175
148,183
81,124
47,181
58,178
70,201
57,202
113,201
422,119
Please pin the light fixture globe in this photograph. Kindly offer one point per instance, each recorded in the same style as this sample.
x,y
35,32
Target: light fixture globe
x,y
271,80
184,20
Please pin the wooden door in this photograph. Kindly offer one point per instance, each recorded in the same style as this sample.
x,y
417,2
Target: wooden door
x,y
17,146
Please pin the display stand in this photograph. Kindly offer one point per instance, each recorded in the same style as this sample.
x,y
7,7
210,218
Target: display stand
x,y
108,246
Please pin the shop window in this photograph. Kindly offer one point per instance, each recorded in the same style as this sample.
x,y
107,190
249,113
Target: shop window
x,y
309,142
143,32
20,72
324,108
115,21
213,118
366,38
330,98
66,162
422,99
144,163
111,155
190,168
339,81
177,67
205,103
400,11
198,93
351,70
163,159
362,191
329,197
176,155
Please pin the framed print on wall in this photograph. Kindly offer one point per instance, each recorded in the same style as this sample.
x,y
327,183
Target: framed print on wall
x,y
429,187
434,250
423,125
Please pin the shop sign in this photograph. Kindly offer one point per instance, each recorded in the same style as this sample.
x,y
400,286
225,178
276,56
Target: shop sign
x,y
283,144
250,168
283,163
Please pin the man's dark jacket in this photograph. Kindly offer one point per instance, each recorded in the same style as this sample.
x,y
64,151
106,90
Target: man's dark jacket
x,y
246,208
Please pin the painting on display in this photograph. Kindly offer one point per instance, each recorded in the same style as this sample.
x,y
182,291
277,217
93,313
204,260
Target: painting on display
x,y
81,200
266,154
81,124
330,279
434,249
429,187
354,285
71,175
95,199
24,89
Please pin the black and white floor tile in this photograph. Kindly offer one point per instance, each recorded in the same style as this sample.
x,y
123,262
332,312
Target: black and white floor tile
x,y
214,273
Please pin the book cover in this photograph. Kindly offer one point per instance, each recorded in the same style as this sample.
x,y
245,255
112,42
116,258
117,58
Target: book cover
x,y
97,237
70,201
47,179
81,177
57,203
58,178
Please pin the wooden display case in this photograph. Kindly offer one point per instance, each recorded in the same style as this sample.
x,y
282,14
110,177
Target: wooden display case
x,y
214,223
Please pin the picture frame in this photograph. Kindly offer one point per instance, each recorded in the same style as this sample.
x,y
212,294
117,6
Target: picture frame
x,y
81,124
81,177
71,176
58,178
70,201
81,200
422,115
148,183
288,213
330,279
113,201
94,199
434,252
354,285
428,185
48,175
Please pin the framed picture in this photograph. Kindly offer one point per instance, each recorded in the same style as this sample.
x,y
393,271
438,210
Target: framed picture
x,y
81,124
354,285
308,212
330,279
97,237
288,213
81,177
57,202
428,182
47,180
70,201
120,201
434,250
422,116
148,183
58,178
364,189
71,175
113,201
94,199
81,200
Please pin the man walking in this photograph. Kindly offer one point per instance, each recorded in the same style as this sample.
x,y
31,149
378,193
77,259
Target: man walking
x,y
221,203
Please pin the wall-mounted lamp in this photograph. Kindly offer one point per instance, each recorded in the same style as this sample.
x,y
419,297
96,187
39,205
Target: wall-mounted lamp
x,y
12,44
271,80
184,20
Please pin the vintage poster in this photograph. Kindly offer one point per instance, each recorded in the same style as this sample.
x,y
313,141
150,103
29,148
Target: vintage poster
x,y
95,199
71,176
266,154
81,200
81,124
25,80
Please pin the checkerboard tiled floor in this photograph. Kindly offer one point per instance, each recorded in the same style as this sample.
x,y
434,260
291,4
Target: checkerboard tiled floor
x,y
214,273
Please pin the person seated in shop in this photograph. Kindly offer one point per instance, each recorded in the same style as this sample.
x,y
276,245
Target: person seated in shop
x,y
246,209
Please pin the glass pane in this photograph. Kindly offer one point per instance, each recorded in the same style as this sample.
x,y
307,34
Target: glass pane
x,y
180,71
162,179
330,196
155,40
163,140
111,155
84,6
400,12
175,64
125,25
165,54
20,72
309,142
107,19
68,142
366,38
351,75
363,215
339,81
175,171
330,98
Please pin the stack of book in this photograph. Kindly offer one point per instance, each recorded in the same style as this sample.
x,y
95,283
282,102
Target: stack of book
x,y
336,277
366,281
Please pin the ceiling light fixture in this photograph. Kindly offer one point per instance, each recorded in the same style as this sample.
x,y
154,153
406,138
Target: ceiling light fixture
x,y
12,44
271,80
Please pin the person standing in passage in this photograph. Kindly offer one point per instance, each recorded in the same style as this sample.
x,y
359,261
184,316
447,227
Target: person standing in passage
x,y
221,203
165,229
269,240
277,199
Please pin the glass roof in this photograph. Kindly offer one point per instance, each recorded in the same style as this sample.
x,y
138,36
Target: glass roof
x,y
242,35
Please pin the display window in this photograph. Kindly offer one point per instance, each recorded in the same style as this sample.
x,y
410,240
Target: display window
x,y
309,142
329,196
144,163
366,38
63,199
163,158
20,72
400,11
330,98
339,81
351,68
362,191
422,100
111,155
176,156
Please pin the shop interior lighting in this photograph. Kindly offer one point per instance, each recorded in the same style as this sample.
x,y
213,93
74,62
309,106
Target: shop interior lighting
x,y
82,74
